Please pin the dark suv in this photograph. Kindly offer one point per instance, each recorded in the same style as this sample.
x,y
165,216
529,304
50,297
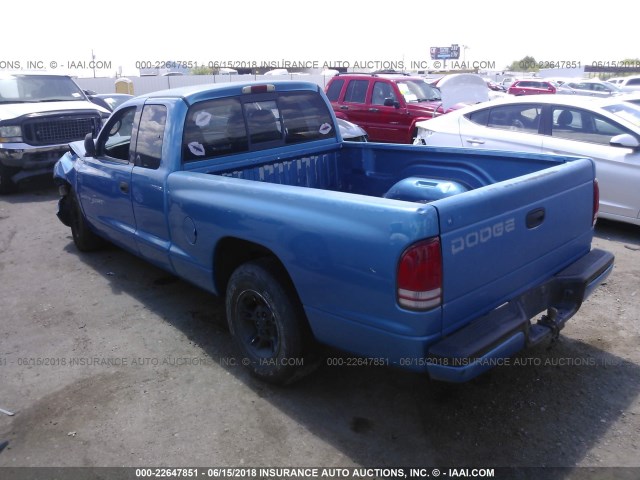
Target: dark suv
x,y
386,105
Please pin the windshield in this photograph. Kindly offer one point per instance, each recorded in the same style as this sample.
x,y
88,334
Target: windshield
x,y
418,91
628,111
38,88
114,102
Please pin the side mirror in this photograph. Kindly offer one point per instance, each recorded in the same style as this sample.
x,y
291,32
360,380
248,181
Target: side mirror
x,y
89,146
390,102
625,140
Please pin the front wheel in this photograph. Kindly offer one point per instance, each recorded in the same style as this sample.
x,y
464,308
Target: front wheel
x,y
83,236
267,321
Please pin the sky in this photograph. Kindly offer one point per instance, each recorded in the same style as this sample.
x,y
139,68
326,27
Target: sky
x,y
355,33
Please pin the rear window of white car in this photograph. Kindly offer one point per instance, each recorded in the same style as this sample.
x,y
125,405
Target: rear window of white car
x,y
630,112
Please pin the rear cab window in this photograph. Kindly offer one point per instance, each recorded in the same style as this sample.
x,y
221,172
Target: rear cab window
x,y
227,126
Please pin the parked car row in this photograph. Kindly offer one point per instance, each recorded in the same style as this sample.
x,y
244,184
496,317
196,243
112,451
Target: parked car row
x,y
594,88
388,105
627,84
605,129
533,118
393,107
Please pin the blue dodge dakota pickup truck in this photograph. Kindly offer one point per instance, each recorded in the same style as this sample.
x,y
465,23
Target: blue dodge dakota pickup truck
x,y
435,260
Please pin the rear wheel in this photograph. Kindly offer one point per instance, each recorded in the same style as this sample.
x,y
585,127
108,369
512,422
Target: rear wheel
x,y
267,321
83,236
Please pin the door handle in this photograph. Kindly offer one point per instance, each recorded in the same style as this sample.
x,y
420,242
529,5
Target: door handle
x,y
344,107
475,140
535,218
374,109
124,187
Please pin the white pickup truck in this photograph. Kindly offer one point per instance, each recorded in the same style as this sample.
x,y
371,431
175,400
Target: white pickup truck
x,y
39,116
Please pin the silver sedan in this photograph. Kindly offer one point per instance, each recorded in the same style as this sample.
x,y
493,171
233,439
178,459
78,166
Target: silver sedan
x,y
593,88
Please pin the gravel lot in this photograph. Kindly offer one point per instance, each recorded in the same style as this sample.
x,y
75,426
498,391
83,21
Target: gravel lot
x,y
108,361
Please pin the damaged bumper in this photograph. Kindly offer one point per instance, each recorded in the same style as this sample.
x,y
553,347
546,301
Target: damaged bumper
x,y
30,161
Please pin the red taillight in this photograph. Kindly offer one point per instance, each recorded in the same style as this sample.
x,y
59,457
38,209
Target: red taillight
x,y
596,200
420,276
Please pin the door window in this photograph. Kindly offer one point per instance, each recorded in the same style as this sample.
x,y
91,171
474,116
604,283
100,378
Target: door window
x,y
116,144
382,91
150,136
583,126
356,91
522,118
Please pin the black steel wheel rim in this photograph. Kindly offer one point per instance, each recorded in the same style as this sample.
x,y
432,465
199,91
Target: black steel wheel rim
x,y
257,326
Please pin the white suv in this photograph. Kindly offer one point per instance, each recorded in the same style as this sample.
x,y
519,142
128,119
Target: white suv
x,y
630,84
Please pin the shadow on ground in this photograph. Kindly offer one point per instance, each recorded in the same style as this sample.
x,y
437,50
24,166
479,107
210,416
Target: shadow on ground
x,y
548,407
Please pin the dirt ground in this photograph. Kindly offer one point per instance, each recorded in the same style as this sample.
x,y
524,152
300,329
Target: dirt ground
x,y
108,361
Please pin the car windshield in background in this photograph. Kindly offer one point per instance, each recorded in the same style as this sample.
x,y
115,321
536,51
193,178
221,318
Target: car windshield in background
x,y
114,102
418,91
38,88
628,111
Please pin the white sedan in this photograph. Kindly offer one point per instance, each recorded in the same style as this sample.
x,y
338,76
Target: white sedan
x,y
606,130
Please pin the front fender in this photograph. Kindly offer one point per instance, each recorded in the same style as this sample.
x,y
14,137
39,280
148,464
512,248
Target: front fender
x,y
64,171
64,175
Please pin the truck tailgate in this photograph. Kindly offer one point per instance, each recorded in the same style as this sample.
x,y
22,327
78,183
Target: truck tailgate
x,y
500,240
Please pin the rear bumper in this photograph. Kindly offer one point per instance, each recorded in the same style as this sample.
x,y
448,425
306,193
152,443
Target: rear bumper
x,y
506,330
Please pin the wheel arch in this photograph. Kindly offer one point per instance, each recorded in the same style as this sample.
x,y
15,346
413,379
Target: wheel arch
x,y
231,252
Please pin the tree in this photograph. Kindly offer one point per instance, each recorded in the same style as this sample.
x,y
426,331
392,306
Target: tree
x,y
202,70
526,64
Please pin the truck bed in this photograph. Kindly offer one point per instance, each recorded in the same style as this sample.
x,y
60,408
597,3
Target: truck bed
x,y
372,169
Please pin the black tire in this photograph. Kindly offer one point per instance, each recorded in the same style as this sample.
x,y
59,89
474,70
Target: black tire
x,y
267,322
6,184
83,236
